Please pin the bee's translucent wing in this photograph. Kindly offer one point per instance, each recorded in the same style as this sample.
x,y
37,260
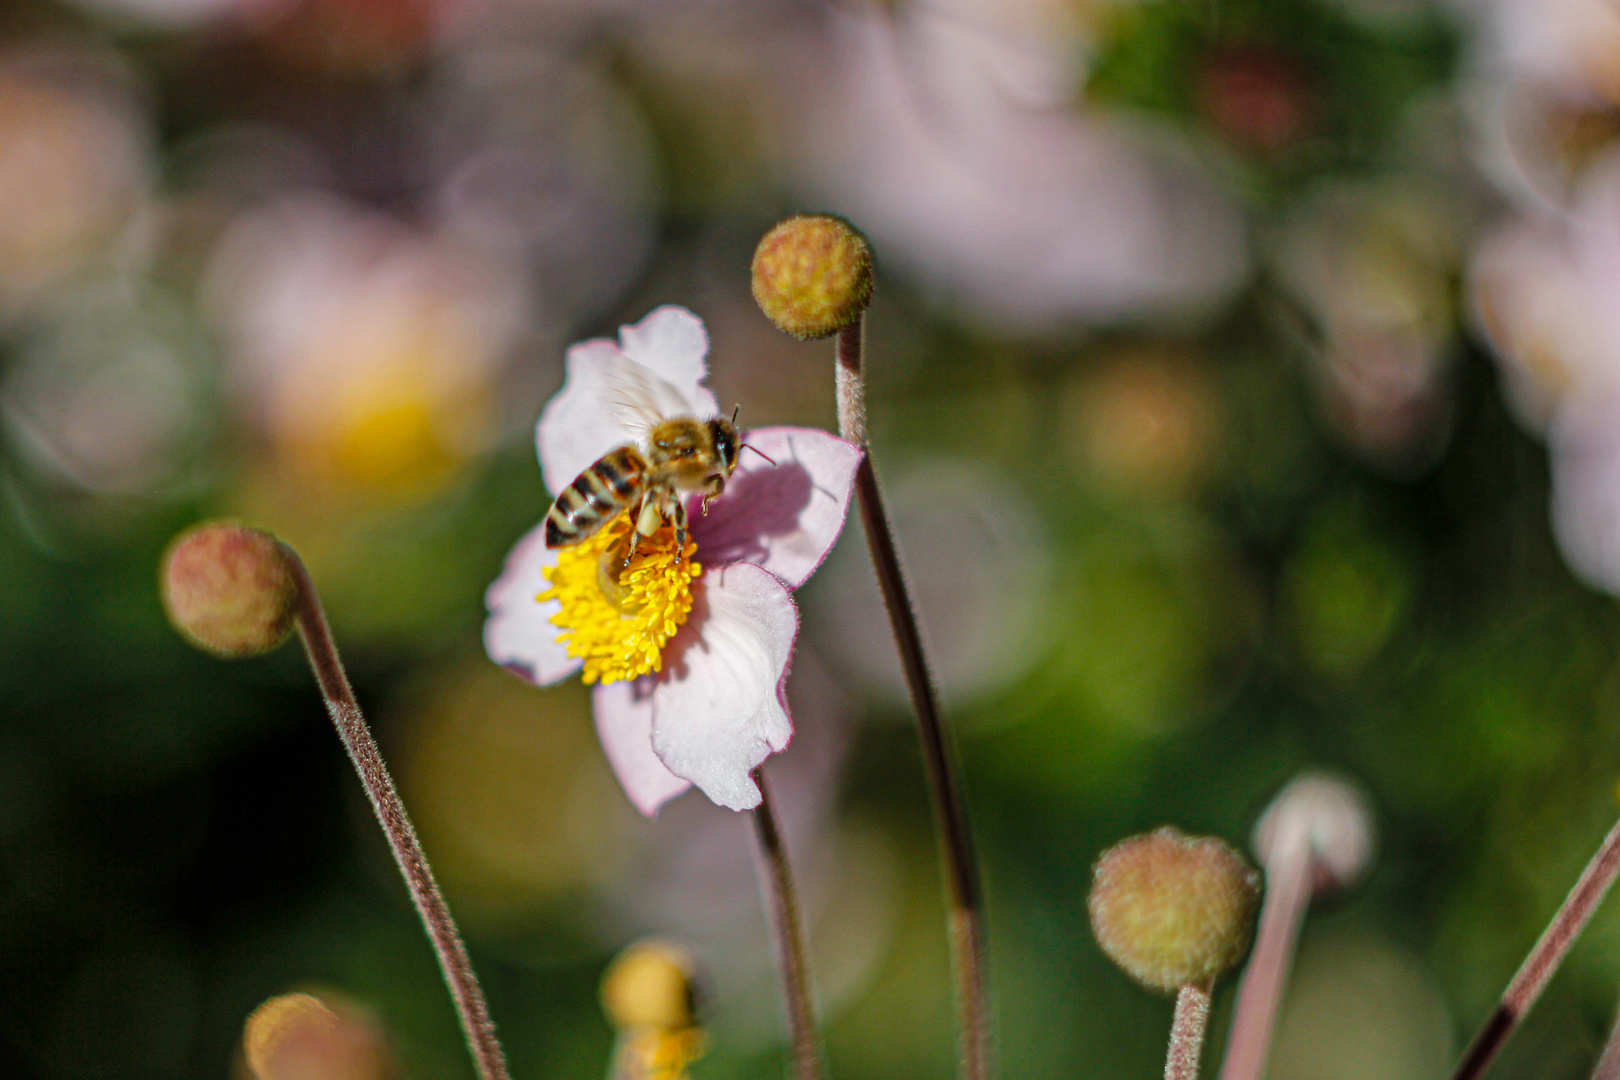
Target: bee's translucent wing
x,y
639,399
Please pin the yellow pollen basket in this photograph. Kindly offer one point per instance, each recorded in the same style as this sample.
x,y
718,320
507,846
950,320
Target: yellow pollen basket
x,y
619,620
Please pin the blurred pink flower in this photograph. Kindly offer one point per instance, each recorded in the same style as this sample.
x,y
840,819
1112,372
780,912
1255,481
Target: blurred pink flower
x,y
366,351
1544,288
1542,83
75,168
958,145
712,707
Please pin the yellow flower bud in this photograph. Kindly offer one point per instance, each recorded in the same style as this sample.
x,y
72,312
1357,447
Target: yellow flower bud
x,y
1173,910
301,1037
649,986
230,590
813,275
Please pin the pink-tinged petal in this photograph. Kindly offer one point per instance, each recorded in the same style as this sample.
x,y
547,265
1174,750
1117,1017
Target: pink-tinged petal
x,y
624,721
519,635
672,344
719,707
579,425
783,517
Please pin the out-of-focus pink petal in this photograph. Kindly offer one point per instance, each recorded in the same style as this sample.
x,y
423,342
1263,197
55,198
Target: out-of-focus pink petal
x,y
624,722
578,425
671,343
719,708
783,517
519,635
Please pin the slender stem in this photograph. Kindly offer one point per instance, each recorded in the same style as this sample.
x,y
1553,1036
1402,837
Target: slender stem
x,y
1538,967
776,878
1608,1064
956,844
413,864
1187,1032
1288,894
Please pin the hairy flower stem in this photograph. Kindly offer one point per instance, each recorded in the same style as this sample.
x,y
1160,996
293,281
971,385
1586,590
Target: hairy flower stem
x,y
956,844
1187,1032
413,864
1538,967
1608,1063
776,878
1288,894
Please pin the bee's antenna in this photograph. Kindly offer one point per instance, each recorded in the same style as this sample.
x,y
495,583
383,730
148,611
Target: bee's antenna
x,y
760,452
734,413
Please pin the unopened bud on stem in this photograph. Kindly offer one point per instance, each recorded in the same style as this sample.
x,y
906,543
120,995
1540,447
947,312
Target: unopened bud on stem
x,y
1173,910
230,590
1328,815
813,275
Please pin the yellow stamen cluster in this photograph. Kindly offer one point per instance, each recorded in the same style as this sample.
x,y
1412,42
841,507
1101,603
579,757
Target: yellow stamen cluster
x,y
658,1054
618,618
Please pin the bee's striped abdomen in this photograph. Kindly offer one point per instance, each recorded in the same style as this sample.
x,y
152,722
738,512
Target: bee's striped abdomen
x,y
596,497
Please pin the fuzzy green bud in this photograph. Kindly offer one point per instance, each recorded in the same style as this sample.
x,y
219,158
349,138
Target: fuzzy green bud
x,y
1173,910
649,986
229,590
813,275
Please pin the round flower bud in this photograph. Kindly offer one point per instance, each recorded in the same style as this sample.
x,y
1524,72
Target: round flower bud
x,y
1173,910
649,985
230,590
1329,815
299,1036
813,275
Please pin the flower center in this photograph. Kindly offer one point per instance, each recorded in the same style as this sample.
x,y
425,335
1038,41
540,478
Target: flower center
x,y
618,617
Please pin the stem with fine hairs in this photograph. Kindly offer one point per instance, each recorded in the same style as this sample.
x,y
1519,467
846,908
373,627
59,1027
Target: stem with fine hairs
x,y
1187,1032
1549,952
782,907
413,864
1608,1064
1288,894
956,843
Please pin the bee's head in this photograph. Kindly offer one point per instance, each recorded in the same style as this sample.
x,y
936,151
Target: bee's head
x,y
726,443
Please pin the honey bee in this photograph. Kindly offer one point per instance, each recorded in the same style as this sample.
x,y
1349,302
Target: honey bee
x,y
680,455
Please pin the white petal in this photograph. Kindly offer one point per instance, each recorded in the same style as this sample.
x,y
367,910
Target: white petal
x,y
719,708
671,343
624,721
519,634
783,517
583,420
578,425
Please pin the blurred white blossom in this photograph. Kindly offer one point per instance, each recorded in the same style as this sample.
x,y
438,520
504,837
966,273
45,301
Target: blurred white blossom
x,y
956,143
74,166
1543,89
1544,287
365,351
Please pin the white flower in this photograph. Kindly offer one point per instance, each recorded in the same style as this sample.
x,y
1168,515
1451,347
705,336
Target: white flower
x,y
689,687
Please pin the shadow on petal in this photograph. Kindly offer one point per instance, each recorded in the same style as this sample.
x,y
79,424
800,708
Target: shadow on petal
x,y
758,505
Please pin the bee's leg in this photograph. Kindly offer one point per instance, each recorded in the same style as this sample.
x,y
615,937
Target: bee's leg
x,y
647,517
717,487
678,513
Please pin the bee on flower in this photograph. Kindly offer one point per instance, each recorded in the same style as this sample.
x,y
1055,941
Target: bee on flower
x,y
667,580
